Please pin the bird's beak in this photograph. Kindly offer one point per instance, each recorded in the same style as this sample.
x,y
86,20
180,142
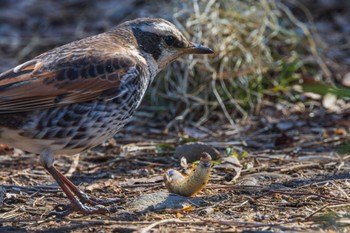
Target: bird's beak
x,y
198,49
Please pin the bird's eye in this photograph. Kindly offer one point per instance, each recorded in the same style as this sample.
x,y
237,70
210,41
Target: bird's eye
x,y
169,40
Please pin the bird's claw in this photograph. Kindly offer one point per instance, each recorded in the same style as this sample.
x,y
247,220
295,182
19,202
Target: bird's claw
x,y
96,201
59,214
62,210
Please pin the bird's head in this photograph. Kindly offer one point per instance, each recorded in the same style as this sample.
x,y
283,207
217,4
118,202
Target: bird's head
x,y
161,41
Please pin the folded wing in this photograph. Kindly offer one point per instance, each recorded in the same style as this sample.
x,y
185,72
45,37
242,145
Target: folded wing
x,y
44,83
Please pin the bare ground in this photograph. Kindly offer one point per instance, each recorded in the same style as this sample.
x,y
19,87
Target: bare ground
x,y
293,179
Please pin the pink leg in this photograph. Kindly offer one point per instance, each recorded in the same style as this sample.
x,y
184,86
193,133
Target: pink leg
x,y
74,194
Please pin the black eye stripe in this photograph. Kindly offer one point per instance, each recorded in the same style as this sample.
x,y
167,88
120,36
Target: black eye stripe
x,y
169,40
173,42
148,42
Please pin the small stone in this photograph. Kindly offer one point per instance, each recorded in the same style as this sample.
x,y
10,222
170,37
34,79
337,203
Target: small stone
x,y
313,96
161,200
346,80
329,101
192,151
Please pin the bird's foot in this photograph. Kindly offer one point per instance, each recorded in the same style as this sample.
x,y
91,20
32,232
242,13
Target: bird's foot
x,y
62,210
79,201
85,198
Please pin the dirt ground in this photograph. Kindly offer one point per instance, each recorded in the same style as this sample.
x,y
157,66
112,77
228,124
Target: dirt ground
x,y
295,161
292,179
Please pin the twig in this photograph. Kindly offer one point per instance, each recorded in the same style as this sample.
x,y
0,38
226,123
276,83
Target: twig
x,y
300,167
32,189
73,166
340,190
247,224
170,220
316,211
304,194
339,205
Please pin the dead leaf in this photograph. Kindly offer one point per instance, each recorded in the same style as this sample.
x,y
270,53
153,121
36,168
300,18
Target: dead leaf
x,y
231,166
340,131
179,215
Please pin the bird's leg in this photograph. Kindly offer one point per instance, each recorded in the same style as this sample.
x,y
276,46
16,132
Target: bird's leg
x,y
47,159
83,197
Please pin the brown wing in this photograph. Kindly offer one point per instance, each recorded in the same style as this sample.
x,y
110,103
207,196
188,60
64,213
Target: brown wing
x,y
41,84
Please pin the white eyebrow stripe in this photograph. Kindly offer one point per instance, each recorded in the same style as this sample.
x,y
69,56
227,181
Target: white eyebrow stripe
x,y
157,28
163,27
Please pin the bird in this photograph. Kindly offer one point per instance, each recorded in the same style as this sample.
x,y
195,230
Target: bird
x,y
76,96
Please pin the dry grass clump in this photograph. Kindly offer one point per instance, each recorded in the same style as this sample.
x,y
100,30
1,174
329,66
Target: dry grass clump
x,y
260,48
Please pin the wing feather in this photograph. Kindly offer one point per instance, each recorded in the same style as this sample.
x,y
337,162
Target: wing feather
x,y
40,83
